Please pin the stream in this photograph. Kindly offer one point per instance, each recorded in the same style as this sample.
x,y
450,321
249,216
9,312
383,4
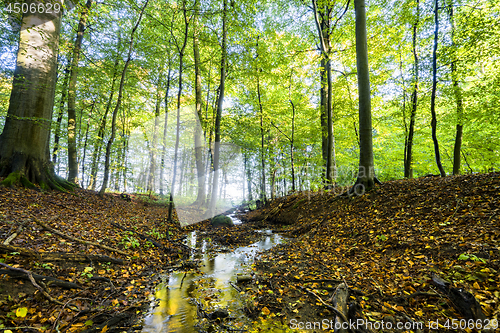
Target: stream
x,y
174,307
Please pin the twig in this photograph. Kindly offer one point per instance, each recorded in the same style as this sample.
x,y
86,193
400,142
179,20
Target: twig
x,y
62,309
235,287
16,233
328,306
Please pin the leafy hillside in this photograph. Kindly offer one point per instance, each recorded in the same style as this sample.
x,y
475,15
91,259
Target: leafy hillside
x,y
386,246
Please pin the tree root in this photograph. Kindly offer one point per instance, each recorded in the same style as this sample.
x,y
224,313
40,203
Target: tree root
x,y
57,232
58,256
36,285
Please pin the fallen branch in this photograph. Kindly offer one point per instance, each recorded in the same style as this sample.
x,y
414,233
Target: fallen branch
x,y
57,232
41,278
328,306
36,285
15,234
59,256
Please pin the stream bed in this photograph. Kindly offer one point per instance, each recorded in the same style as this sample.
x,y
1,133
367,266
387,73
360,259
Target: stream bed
x,y
213,286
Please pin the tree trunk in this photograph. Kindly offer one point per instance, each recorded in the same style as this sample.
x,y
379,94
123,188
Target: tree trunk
x,y
414,101
118,103
323,23
220,101
366,173
96,154
458,97
24,142
164,138
433,93
57,134
262,146
291,146
198,140
72,149
85,144
181,50
154,143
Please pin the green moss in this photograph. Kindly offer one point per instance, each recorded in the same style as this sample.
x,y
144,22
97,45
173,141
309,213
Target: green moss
x,y
12,179
222,221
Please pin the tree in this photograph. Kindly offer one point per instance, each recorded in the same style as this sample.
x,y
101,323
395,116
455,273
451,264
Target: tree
x,y
72,150
118,103
220,101
366,172
24,142
433,93
408,172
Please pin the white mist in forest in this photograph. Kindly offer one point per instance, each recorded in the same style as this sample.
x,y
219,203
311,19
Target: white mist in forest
x,y
152,161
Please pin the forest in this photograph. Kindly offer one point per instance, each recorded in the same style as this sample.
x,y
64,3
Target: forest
x,y
356,142
275,80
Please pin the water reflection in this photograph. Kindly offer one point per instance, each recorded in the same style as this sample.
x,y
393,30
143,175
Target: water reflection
x,y
176,311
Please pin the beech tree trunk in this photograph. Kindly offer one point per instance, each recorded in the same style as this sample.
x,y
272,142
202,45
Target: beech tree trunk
x,y
181,50
220,101
198,139
366,173
433,93
414,101
458,98
118,103
72,149
24,142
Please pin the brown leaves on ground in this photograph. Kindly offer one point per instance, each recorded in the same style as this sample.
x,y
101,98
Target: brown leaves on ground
x,y
107,289
386,245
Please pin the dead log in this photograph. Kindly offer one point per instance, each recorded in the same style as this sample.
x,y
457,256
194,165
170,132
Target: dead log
x,y
57,232
48,280
463,301
339,301
59,256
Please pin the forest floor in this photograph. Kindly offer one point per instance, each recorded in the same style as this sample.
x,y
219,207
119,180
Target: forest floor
x,y
387,246
392,247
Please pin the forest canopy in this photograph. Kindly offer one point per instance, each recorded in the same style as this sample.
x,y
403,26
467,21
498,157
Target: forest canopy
x,y
274,88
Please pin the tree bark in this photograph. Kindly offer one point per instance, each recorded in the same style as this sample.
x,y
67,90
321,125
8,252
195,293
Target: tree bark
x,y
72,149
165,128
366,173
24,142
433,93
118,103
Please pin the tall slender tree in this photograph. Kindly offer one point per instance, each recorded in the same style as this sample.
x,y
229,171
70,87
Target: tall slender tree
x,y
73,76
220,101
118,102
433,93
366,173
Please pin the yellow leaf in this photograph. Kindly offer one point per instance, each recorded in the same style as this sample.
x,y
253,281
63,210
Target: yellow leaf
x,y
265,311
104,329
476,285
21,312
7,331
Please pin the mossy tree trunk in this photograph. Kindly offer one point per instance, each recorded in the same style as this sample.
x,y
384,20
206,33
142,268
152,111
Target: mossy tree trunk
x,y
24,142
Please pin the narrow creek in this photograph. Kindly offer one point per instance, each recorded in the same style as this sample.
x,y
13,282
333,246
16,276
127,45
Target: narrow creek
x,y
174,308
